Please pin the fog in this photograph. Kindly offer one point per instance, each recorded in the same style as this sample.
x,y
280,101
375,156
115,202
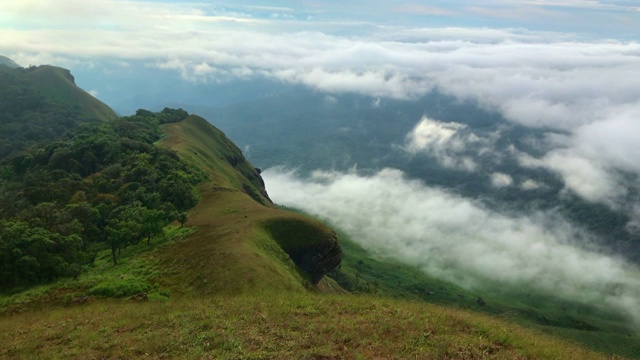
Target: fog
x,y
459,240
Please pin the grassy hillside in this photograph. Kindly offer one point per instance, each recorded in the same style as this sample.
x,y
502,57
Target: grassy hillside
x,y
274,325
364,273
237,247
39,105
59,85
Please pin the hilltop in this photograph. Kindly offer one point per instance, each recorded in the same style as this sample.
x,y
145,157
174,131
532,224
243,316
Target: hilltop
x,y
41,104
5,61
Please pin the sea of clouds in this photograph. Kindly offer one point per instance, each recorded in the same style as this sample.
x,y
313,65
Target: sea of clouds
x,y
460,240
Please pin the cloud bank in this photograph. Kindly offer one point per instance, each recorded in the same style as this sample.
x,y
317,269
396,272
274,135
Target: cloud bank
x,y
459,240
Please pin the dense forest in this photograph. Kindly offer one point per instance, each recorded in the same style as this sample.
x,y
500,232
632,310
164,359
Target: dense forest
x,y
100,185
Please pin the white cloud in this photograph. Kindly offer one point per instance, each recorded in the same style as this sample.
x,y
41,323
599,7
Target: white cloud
x,y
530,184
330,100
586,178
430,134
501,180
458,239
444,141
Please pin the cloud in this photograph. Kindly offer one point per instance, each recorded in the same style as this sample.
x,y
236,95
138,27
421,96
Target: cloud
x,y
500,180
429,134
530,184
444,141
597,159
459,240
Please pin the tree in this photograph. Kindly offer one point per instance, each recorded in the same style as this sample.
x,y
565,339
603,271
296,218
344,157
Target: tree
x,y
182,218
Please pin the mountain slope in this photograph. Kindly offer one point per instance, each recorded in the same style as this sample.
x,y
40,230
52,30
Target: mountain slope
x,y
274,326
242,240
5,61
59,85
233,284
42,104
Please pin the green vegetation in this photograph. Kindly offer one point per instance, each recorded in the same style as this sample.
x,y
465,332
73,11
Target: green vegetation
x,y
273,325
106,186
5,61
364,273
209,149
41,104
234,250
137,271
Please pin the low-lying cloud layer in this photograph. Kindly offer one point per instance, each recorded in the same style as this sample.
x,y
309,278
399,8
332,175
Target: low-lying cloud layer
x,y
459,240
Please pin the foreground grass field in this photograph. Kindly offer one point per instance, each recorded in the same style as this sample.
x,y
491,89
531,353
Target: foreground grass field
x,y
273,326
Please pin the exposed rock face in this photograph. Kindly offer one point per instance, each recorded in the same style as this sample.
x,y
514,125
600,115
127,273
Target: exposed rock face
x,y
318,259
313,247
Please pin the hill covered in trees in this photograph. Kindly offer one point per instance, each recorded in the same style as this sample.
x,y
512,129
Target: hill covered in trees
x,y
108,185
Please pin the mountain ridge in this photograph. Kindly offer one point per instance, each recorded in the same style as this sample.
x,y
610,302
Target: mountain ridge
x,y
235,210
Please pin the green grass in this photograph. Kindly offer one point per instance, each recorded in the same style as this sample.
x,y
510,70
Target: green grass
x,y
58,84
362,272
136,272
274,326
238,247
209,149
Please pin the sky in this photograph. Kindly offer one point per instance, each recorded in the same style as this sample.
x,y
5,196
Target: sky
x,y
567,67
598,18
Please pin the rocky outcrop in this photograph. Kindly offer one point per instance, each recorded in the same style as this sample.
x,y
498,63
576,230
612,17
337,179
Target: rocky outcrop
x,y
313,247
318,259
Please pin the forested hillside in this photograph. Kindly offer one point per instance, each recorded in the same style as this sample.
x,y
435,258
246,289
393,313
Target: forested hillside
x,y
106,185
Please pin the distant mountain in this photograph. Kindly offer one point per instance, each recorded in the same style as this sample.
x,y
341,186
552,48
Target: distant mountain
x,y
5,61
40,104
59,86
